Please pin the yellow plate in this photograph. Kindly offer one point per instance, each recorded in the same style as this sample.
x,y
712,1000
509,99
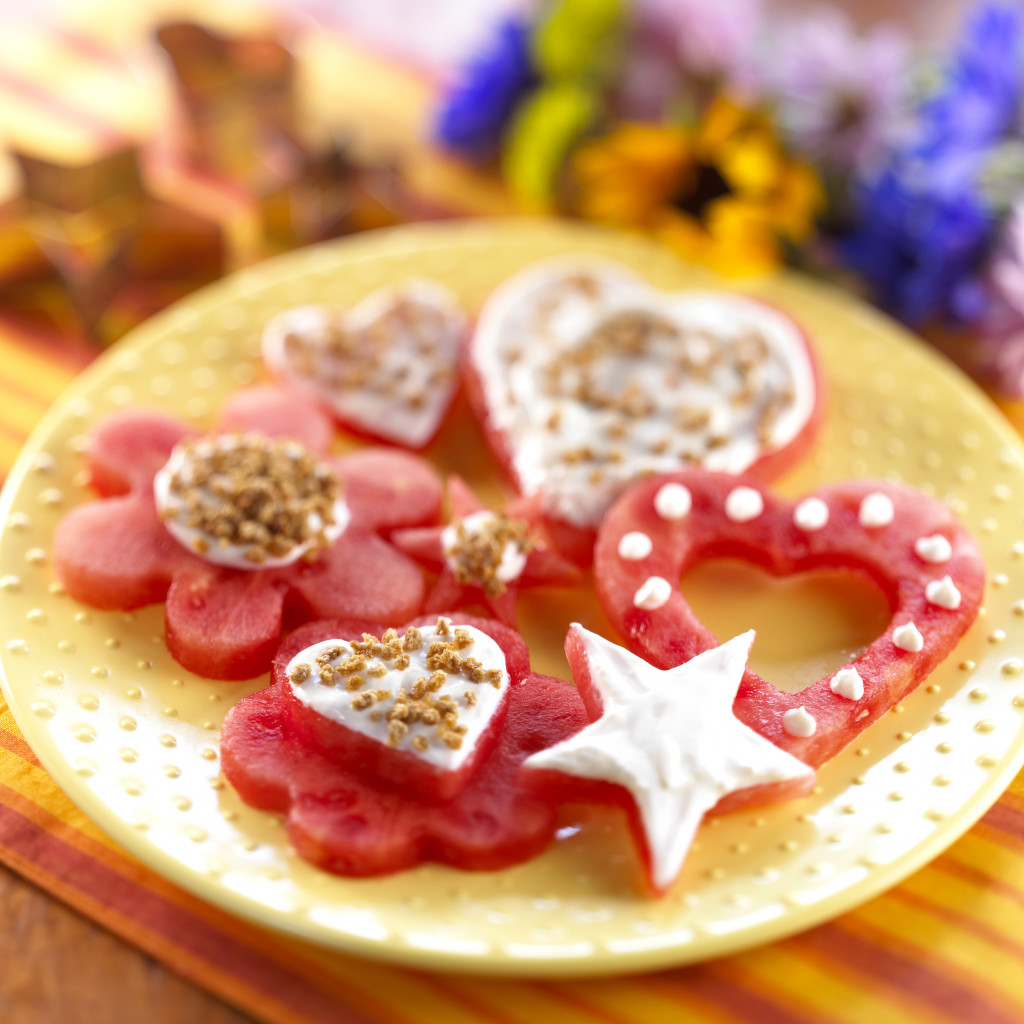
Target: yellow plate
x,y
133,739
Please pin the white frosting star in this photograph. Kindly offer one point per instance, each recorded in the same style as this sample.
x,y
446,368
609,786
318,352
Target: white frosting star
x,y
670,738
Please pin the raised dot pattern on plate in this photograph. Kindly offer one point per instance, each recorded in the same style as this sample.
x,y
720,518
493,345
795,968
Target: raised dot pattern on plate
x,y
155,783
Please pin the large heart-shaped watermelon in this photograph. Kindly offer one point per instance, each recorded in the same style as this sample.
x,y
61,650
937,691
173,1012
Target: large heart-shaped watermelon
x,y
586,379
926,564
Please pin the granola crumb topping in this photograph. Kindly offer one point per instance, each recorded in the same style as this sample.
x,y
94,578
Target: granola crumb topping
x,y
488,549
249,498
417,715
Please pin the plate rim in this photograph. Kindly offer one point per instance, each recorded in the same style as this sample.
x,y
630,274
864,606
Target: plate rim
x,y
498,963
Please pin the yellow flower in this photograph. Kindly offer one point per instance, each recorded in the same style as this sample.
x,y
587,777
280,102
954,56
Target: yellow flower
x,y
721,192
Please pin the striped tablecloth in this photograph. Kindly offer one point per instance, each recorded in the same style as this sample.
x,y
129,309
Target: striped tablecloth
x,y
946,945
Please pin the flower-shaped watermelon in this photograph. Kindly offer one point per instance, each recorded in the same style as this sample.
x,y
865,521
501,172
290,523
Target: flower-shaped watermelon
x,y
352,819
224,622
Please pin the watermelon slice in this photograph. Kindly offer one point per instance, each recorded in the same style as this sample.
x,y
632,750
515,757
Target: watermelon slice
x,y
224,623
584,379
356,822
480,578
926,564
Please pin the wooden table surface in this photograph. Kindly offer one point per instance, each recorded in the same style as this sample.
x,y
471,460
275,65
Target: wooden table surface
x,y
57,967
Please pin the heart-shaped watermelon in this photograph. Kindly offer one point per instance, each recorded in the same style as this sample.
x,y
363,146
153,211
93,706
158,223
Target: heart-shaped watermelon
x,y
585,379
926,564
387,368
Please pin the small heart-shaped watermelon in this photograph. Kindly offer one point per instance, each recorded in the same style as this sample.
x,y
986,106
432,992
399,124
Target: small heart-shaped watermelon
x,y
386,368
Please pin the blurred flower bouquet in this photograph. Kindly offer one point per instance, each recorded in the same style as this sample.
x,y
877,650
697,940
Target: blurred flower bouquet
x,y
744,142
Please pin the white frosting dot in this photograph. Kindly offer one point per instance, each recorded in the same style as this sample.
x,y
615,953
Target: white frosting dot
x,y
743,504
673,501
635,546
943,593
847,683
876,510
653,593
935,549
810,514
908,638
799,722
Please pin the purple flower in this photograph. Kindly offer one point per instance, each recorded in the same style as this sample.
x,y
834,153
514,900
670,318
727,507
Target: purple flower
x,y
475,111
711,44
839,94
924,225
999,352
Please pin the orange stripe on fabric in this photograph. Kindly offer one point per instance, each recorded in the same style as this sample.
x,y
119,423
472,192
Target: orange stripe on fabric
x,y
87,46
951,864
40,97
639,998
884,958
160,926
17,745
962,921
70,353
717,985
377,990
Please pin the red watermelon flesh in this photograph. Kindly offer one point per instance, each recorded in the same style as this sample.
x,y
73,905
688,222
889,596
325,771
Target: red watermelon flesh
x,y
354,825
885,554
224,623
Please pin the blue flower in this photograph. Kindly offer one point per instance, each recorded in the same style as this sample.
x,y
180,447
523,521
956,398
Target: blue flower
x,y
980,100
475,111
924,225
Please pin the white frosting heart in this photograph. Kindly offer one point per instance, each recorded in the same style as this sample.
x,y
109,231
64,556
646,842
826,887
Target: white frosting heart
x,y
593,378
387,366
370,678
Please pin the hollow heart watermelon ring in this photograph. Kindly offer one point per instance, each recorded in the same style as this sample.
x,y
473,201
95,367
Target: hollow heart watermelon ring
x,y
926,564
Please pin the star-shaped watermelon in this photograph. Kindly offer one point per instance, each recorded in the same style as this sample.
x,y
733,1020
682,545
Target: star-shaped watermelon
x,y
483,557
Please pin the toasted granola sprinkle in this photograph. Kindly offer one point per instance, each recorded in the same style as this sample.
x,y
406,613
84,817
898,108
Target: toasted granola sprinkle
x,y
477,553
418,702
264,495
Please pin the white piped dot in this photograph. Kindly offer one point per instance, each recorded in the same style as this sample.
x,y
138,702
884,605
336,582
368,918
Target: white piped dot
x,y
653,593
935,549
847,683
811,514
635,546
799,722
673,502
908,638
876,510
943,593
743,504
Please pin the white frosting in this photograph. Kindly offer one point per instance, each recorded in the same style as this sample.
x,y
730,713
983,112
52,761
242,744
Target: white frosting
x,y
943,593
671,739
635,546
847,683
934,549
743,504
232,555
401,400
908,638
810,515
513,558
537,317
799,722
653,593
876,510
335,702
673,502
